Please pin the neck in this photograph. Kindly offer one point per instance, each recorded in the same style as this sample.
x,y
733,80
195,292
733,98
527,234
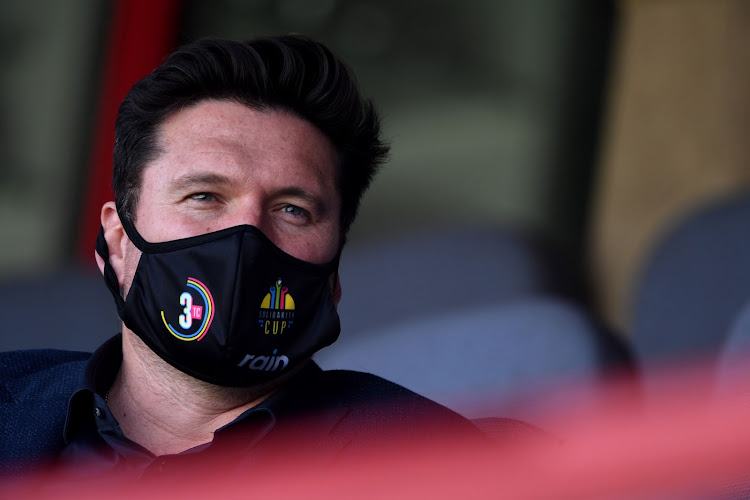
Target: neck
x,y
167,411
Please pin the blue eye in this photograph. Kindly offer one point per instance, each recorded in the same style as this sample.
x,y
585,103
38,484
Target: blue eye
x,y
202,197
291,209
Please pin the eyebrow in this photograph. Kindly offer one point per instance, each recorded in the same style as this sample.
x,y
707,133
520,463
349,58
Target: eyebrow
x,y
189,180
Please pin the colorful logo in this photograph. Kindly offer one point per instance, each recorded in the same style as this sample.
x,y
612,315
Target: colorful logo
x,y
193,314
276,310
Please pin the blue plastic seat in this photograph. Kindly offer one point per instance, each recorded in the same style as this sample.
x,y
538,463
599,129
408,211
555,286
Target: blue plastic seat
x,y
490,360
444,269
733,361
694,285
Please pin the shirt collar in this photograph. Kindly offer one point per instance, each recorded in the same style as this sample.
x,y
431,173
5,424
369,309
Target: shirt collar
x,y
98,376
101,370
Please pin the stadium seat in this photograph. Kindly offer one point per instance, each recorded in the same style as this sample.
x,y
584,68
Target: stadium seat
x,y
733,362
449,268
66,309
694,286
490,360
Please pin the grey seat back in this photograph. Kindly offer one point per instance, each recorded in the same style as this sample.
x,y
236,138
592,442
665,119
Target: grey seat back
x,y
489,360
66,309
693,288
449,268
733,361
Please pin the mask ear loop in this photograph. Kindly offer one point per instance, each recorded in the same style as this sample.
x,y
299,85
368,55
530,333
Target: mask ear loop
x,y
110,277
133,234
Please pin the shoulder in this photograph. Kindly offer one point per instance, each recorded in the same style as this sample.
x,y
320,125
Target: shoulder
x,y
35,387
19,364
39,375
361,388
376,403
372,400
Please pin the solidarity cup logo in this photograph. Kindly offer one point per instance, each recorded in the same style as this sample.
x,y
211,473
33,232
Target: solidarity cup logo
x,y
276,310
196,316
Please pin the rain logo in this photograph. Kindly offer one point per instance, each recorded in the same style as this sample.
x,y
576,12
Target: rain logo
x,y
276,310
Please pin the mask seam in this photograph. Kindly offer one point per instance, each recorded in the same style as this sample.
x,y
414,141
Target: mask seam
x,y
233,311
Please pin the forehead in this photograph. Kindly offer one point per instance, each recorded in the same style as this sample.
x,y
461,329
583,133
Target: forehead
x,y
254,137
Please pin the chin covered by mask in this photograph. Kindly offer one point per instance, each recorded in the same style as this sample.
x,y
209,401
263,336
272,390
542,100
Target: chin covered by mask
x,y
228,307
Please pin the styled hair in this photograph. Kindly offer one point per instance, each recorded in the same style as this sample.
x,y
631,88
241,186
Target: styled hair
x,y
290,73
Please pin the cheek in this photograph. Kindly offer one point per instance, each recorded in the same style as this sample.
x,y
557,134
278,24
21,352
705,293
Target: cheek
x,y
317,249
326,248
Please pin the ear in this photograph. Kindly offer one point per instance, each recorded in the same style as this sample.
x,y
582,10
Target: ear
x,y
336,288
116,239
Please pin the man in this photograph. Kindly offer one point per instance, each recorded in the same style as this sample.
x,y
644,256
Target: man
x,y
238,169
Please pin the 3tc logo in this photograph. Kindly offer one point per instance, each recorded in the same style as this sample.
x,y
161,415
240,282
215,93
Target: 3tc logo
x,y
195,319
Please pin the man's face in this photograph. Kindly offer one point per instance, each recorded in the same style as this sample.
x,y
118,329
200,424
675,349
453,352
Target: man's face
x,y
223,164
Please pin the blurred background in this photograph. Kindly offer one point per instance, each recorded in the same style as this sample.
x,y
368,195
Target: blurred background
x,y
566,144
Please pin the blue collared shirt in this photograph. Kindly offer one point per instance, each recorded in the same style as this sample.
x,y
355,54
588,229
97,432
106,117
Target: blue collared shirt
x,y
96,445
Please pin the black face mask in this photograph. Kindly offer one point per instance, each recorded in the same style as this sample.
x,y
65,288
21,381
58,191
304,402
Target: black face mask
x,y
228,307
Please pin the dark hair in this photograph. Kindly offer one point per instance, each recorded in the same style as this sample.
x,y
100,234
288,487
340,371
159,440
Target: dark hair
x,y
291,73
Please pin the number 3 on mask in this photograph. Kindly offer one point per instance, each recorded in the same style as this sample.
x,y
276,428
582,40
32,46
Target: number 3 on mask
x,y
186,319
